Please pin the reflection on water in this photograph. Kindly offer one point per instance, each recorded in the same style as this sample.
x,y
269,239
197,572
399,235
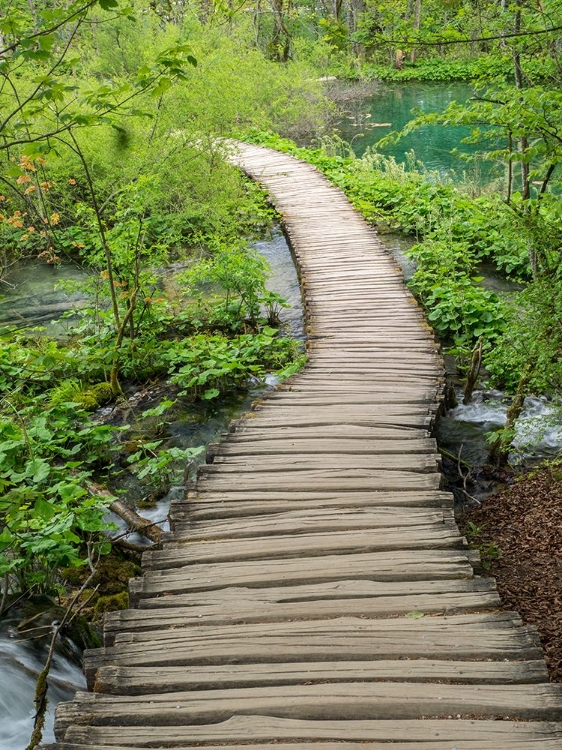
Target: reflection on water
x,y
284,280
390,107
32,294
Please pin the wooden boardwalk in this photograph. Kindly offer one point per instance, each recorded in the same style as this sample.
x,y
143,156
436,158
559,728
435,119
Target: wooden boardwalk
x,y
315,590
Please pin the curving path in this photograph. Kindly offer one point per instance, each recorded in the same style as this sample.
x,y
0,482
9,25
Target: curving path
x,y
315,593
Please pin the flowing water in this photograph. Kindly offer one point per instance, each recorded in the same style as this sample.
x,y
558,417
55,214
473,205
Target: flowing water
x,y
538,430
20,663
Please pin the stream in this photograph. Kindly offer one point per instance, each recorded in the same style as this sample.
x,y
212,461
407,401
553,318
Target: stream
x,y
20,662
33,298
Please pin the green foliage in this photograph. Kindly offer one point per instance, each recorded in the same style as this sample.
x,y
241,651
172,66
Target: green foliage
x,y
532,341
439,70
460,311
489,551
157,467
205,366
237,276
47,456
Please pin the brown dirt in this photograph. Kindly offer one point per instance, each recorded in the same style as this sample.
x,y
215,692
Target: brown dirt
x,y
524,523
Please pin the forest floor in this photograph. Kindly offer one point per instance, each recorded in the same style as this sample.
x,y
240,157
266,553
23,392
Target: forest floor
x,y
518,531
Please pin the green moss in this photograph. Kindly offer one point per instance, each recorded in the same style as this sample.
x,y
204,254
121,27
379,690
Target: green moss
x,y
84,634
101,392
111,603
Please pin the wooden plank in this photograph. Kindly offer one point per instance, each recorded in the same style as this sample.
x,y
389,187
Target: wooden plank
x,y
139,680
280,461
292,522
354,627
379,566
252,429
539,742
316,702
507,735
322,445
319,641
248,611
234,503
181,550
318,420
336,480
335,398
350,588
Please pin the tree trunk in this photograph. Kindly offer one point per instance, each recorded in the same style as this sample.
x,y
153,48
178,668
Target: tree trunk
x,y
473,372
137,523
416,27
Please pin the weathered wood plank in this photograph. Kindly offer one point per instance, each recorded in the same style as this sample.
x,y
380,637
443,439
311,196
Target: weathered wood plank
x,y
323,445
252,429
317,702
292,522
139,680
342,480
242,611
344,589
271,730
181,550
420,462
537,743
382,566
274,501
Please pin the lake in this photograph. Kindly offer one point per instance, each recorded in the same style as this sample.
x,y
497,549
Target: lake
x,y
391,105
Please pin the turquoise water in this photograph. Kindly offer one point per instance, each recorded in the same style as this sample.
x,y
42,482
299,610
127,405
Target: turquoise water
x,y
391,106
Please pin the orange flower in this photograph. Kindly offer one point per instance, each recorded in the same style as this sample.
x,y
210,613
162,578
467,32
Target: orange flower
x,y
31,230
22,179
46,185
27,163
30,189
2,197
55,219
104,274
72,181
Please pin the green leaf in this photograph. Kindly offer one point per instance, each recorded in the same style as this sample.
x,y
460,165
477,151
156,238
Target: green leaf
x,y
415,615
210,394
44,509
37,470
108,4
